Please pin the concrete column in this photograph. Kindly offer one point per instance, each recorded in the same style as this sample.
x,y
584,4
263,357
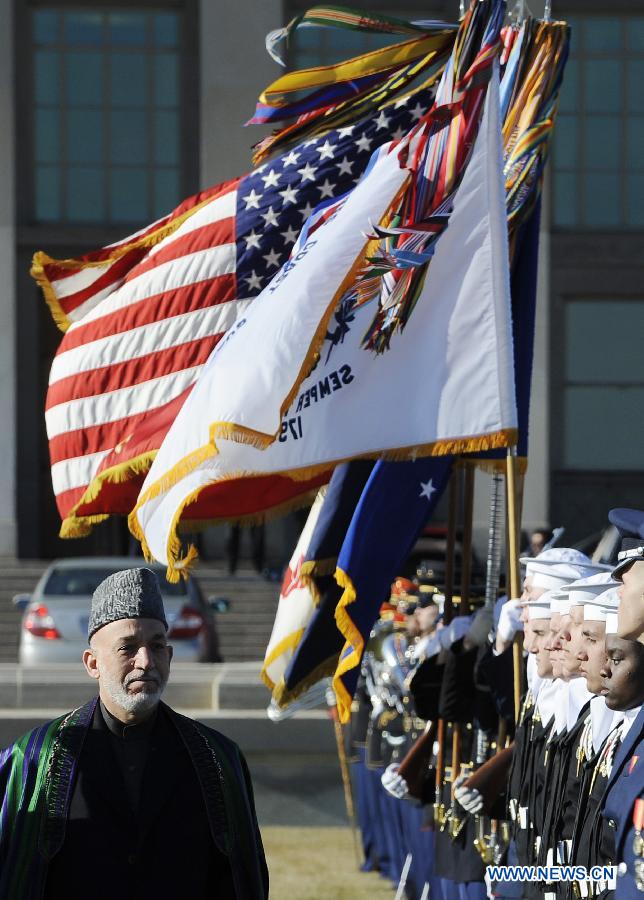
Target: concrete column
x,y
8,372
235,68
536,496
536,502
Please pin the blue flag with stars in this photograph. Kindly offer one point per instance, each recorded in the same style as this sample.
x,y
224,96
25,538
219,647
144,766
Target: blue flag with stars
x,y
316,655
274,200
396,503
395,506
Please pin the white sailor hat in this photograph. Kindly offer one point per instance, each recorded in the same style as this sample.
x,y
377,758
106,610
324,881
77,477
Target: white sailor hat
x,y
630,524
611,623
585,590
554,575
558,598
554,555
540,609
602,606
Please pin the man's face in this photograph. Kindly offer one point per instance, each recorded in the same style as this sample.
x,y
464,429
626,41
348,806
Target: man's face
x,y
130,658
592,654
571,642
426,617
540,642
630,615
554,645
411,625
622,674
537,542
529,591
528,635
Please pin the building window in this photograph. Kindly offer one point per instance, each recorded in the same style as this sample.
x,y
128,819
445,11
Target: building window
x,y
314,46
604,385
106,114
598,176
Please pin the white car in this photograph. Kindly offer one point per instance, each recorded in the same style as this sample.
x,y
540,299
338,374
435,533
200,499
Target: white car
x,y
55,617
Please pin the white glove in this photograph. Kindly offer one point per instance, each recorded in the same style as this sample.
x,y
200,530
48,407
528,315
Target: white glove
x,y
469,798
453,632
481,626
442,638
509,620
394,783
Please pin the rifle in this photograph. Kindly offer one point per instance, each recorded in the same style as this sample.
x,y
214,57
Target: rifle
x,y
415,765
490,779
439,806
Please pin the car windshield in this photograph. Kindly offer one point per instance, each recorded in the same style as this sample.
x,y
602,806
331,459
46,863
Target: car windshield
x,y
83,581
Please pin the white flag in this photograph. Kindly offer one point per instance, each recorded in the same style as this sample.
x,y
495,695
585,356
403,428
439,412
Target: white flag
x,y
295,607
445,385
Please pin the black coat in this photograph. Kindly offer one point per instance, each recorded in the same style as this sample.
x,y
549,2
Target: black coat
x,y
163,850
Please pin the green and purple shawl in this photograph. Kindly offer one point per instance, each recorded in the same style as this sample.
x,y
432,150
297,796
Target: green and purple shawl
x,y
37,776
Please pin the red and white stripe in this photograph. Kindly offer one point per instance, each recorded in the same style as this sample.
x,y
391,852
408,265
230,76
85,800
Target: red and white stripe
x,y
141,326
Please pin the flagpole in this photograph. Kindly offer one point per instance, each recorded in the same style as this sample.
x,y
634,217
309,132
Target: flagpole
x,y
346,777
466,546
514,525
448,611
464,607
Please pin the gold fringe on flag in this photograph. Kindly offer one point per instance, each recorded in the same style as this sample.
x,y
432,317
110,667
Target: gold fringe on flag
x,y
282,695
41,260
290,642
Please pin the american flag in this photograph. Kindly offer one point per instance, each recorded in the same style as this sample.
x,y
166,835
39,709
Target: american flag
x,y
142,316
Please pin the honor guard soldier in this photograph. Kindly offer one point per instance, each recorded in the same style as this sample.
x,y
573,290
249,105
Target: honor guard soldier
x,y
624,799
392,727
553,569
616,671
575,745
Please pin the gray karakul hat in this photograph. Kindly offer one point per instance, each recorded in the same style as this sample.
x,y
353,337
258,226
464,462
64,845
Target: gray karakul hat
x,y
129,594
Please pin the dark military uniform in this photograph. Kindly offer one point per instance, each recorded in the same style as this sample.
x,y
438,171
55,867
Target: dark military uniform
x,y
626,783
593,838
625,786
566,755
457,860
521,778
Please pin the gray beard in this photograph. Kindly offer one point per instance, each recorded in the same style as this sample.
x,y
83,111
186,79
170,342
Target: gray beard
x,y
142,701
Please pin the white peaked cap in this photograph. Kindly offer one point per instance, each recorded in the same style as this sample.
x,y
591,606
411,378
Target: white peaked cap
x,y
611,623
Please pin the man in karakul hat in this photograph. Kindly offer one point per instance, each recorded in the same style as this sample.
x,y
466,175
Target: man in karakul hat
x,y
124,796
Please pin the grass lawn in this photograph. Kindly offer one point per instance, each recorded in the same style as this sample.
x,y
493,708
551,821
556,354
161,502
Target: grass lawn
x,y
318,864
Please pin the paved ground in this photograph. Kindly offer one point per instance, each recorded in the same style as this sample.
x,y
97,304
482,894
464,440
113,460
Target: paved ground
x,y
305,793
